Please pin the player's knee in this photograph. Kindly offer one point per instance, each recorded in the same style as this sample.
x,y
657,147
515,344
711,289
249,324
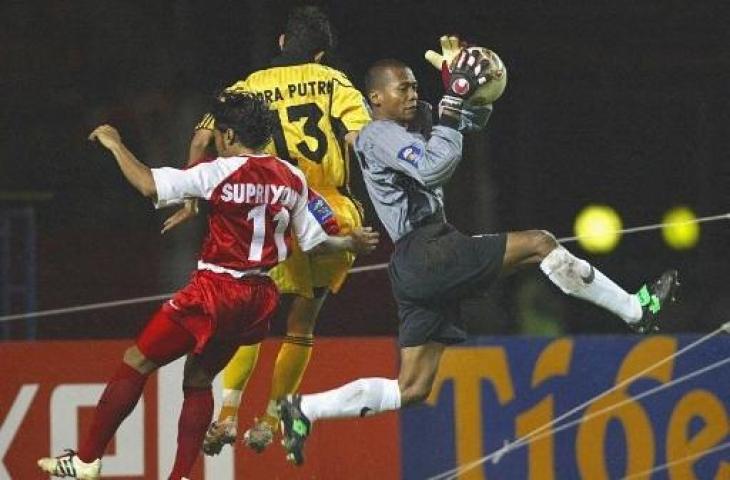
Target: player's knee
x,y
303,313
302,326
543,242
197,378
134,357
415,392
197,382
320,293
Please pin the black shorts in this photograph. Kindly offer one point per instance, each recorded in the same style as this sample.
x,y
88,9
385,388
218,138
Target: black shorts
x,y
432,270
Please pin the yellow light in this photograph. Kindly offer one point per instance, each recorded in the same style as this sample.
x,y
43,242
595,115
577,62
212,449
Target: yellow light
x,y
680,231
598,228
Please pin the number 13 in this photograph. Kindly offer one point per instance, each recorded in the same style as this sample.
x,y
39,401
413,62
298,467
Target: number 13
x,y
312,115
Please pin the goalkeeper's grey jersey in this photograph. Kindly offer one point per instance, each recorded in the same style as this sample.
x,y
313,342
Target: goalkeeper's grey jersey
x,y
404,172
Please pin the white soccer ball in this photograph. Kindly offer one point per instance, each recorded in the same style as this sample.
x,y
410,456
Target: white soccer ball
x,y
493,89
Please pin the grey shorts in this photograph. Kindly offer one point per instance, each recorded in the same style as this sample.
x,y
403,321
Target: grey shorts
x,y
432,270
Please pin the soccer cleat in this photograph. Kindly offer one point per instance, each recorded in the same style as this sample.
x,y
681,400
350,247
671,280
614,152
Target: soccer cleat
x,y
69,465
653,298
295,427
259,436
218,435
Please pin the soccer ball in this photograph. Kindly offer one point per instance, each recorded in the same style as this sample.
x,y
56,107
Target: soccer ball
x,y
493,89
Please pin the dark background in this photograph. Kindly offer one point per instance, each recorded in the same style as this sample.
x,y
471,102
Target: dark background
x,y
616,102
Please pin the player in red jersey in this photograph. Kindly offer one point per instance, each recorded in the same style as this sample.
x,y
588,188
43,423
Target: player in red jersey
x,y
256,202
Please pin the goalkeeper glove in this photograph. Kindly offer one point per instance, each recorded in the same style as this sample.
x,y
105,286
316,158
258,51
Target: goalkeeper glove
x,y
470,71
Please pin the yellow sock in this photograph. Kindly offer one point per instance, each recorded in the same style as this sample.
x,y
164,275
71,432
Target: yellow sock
x,y
291,363
235,378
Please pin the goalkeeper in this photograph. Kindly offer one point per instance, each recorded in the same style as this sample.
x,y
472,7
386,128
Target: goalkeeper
x,y
435,267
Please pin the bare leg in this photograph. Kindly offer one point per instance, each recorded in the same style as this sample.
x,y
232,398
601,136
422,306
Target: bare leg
x,y
366,396
572,275
374,395
419,366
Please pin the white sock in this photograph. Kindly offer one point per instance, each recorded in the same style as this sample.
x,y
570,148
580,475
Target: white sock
x,y
578,278
366,396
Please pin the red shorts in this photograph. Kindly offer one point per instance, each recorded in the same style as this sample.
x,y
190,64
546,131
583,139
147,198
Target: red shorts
x,y
212,307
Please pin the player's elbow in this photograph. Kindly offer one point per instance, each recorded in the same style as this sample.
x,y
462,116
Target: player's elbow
x,y
431,182
351,137
201,138
330,244
438,170
439,173
149,191
324,247
147,186
434,179
319,249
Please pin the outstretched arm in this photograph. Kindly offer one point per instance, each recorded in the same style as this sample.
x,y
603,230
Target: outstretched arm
x,y
137,173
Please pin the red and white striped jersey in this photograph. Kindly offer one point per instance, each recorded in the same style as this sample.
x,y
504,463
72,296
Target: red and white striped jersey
x,y
255,202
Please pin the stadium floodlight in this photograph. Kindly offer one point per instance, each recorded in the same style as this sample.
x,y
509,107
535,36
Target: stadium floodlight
x,y
598,229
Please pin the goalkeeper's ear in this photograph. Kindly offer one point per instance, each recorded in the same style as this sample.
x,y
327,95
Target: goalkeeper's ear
x,y
374,99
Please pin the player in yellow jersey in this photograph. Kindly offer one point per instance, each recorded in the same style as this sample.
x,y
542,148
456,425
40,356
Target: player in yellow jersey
x,y
319,114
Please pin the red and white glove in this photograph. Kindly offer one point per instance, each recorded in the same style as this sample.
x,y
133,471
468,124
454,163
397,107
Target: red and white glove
x,y
469,72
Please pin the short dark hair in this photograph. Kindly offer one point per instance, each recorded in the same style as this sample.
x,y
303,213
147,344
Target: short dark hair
x,y
375,73
308,32
245,113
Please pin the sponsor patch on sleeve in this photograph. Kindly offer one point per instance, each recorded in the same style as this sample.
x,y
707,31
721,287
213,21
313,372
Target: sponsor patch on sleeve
x,y
411,154
323,213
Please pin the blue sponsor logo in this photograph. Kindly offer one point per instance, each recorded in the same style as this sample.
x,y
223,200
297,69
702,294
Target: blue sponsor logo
x,y
411,154
320,209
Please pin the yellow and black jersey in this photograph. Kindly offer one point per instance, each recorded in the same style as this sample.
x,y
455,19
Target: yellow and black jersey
x,y
316,106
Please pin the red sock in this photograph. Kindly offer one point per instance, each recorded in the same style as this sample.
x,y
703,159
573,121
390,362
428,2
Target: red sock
x,y
197,411
116,403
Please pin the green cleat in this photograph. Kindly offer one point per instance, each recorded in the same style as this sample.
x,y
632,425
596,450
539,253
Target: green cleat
x,y
295,428
653,298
